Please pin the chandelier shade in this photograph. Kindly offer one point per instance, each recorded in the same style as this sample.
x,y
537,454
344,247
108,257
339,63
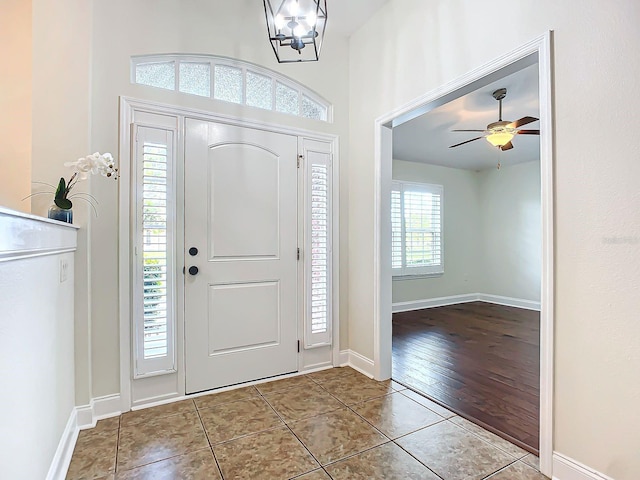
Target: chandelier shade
x,y
296,28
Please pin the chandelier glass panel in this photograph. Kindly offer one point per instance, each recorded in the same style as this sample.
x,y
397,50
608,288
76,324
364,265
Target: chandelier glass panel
x,y
296,28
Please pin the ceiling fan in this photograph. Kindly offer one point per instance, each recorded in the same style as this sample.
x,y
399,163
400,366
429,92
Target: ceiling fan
x,y
500,133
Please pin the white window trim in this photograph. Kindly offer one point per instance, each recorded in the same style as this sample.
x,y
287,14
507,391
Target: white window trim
x,y
165,364
405,272
244,67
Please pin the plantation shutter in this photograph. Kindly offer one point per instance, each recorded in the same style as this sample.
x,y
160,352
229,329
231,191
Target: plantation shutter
x,y
154,254
416,224
318,236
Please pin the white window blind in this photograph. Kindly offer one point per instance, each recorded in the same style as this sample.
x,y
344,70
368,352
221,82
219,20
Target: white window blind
x,y
154,254
416,229
318,244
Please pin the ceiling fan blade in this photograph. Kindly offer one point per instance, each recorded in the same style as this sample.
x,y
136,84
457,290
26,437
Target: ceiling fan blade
x,y
528,132
468,130
521,122
506,146
472,140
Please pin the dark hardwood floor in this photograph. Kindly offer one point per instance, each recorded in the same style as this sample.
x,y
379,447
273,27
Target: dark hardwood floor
x,y
478,359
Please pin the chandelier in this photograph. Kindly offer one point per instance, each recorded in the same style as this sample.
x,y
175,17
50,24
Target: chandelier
x,y
296,28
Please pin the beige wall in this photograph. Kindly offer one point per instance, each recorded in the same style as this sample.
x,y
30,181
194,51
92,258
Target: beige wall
x,y
123,28
15,104
511,231
492,232
397,56
61,122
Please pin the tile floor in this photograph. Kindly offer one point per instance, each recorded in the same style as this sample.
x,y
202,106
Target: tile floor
x,y
334,424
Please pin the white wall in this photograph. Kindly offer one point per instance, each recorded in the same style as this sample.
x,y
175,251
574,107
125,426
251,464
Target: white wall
x,y
36,343
461,234
123,28
511,231
413,46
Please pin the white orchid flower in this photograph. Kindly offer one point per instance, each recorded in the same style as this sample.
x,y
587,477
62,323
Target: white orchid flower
x,y
94,164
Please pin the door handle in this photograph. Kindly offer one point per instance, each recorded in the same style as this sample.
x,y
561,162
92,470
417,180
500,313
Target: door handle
x,y
193,270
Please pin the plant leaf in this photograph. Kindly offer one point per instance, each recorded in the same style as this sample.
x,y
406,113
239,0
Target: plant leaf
x,y
61,190
63,203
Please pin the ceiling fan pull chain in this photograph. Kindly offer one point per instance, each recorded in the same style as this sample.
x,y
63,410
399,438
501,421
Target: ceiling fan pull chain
x,y
498,165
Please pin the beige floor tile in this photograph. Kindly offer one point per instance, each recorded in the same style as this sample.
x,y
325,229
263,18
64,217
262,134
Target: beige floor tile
x,y
315,475
454,453
335,435
333,373
232,420
489,437
284,384
199,465
146,414
532,461
388,462
159,439
396,415
214,399
107,424
302,402
274,454
519,471
94,455
425,402
351,390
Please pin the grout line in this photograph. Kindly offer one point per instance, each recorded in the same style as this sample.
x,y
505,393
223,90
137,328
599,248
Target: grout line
x,y
204,430
351,455
498,470
417,459
293,433
115,466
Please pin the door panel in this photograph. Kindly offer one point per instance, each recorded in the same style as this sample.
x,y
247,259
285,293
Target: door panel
x,y
241,215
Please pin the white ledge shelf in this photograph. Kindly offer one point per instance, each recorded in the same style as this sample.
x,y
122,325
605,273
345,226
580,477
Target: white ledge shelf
x,y
24,235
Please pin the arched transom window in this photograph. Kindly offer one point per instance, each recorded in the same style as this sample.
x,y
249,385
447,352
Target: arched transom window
x,y
230,81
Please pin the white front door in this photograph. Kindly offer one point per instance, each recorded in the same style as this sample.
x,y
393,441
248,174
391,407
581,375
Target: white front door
x,y
241,217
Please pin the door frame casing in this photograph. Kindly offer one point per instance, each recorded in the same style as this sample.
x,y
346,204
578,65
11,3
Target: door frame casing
x,y
536,51
129,107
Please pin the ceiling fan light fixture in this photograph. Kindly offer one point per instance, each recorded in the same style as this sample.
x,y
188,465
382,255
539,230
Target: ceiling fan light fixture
x,y
499,139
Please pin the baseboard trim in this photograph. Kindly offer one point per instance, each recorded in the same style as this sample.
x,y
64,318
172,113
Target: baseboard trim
x,y
358,362
344,358
99,408
509,301
62,457
433,302
466,298
565,468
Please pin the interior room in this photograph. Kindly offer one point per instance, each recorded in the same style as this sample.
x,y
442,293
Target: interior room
x,y
467,258
196,239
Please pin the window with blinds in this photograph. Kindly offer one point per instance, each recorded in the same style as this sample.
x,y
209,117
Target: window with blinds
x,y
318,243
154,255
416,229
319,250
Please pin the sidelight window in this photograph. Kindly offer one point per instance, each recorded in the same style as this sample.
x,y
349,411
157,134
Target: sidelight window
x,y
154,302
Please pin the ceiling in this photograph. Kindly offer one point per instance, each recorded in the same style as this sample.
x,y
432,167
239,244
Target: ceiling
x,y
427,138
347,16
